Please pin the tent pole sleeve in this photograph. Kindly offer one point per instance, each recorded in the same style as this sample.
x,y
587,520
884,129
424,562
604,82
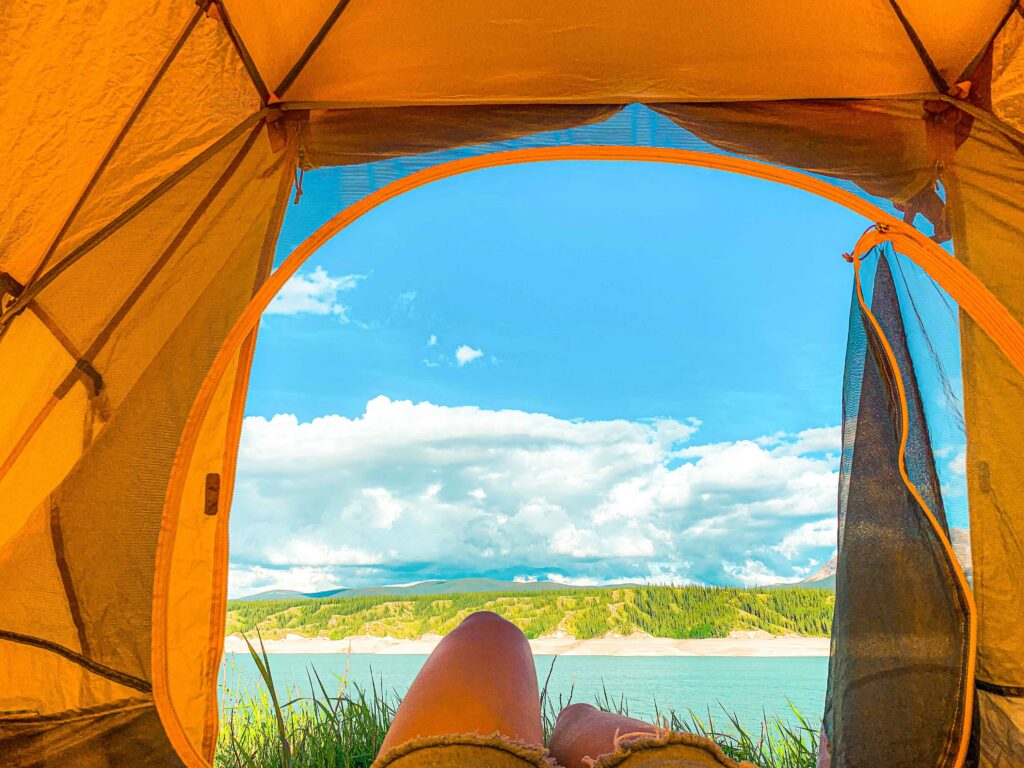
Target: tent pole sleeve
x,y
243,52
307,54
102,670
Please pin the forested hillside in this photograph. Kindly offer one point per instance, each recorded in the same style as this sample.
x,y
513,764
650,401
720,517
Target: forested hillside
x,y
674,612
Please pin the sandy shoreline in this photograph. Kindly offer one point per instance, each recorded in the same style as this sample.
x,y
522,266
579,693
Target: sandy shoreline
x,y
749,644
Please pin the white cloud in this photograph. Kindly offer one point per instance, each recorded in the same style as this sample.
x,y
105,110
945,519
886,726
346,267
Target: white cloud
x,y
432,340
466,354
828,440
820,533
314,293
754,573
247,580
396,495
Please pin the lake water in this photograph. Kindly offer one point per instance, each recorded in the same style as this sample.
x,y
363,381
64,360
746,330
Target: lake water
x,y
748,687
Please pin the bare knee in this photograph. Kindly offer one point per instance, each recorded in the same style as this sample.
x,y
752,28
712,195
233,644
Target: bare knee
x,y
492,625
573,713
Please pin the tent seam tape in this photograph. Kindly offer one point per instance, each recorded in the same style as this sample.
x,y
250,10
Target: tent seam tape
x,y
129,681
311,48
964,592
931,257
1015,5
74,607
172,248
929,64
122,134
79,714
1006,691
243,53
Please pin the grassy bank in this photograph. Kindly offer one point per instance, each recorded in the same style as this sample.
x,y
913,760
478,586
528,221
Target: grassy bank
x,y
342,726
673,612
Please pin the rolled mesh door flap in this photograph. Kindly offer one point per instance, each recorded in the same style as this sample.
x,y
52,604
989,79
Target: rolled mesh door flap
x,y
900,665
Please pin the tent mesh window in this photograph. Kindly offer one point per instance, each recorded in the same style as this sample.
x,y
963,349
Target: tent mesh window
x,y
900,638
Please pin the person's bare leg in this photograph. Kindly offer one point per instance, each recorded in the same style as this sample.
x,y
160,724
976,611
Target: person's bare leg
x,y
584,731
480,679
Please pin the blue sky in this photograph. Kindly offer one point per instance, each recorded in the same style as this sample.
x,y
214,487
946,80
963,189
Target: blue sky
x,y
657,349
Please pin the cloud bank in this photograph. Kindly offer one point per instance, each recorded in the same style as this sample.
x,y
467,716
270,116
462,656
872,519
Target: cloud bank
x,y
411,491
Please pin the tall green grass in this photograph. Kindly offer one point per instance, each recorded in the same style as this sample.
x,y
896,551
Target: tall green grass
x,y
342,726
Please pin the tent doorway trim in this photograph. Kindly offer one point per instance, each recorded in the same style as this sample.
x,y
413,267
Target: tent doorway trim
x,y
957,279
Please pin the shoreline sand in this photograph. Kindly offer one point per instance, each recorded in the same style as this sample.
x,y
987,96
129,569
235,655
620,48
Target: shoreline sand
x,y
742,644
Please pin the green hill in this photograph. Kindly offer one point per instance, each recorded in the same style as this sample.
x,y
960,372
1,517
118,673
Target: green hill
x,y
434,587
675,612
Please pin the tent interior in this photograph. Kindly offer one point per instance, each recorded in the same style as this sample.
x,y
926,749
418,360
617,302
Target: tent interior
x,y
153,149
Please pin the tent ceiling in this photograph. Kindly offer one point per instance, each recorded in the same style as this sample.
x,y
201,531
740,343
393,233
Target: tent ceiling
x,y
402,52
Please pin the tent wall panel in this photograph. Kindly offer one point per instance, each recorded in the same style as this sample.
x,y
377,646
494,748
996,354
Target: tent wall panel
x,y
125,735
1007,73
532,51
75,299
197,554
110,504
65,427
206,75
65,98
76,688
989,228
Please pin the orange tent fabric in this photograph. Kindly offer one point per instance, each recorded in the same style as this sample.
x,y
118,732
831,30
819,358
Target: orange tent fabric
x,y
150,150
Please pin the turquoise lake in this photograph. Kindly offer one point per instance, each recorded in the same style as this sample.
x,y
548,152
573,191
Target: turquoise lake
x,y
749,687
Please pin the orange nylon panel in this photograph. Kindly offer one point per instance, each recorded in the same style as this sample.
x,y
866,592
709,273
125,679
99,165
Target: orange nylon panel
x,y
41,363
209,78
198,576
385,52
50,454
83,299
1007,75
954,32
65,97
192,606
987,191
66,684
276,33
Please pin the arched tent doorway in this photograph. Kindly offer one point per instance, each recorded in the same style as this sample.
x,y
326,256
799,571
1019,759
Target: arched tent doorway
x,y
149,174
962,286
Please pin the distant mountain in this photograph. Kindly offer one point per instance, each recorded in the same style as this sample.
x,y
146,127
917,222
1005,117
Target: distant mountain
x,y
435,587
824,577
